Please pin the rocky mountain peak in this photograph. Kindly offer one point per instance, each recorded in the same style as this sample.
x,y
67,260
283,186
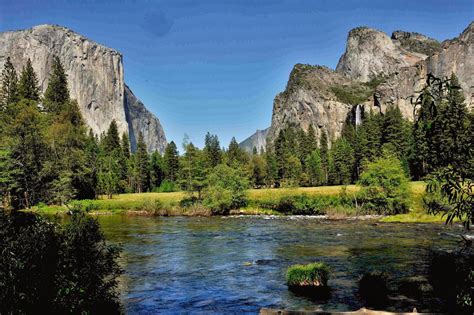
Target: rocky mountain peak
x,y
95,77
375,71
258,140
371,53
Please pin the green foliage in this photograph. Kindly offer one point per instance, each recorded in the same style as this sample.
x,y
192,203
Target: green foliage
x,y
108,176
315,274
57,92
167,186
356,93
26,157
212,150
341,162
257,170
226,190
45,267
384,186
442,128
304,204
171,162
157,170
142,175
235,156
194,170
9,86
452,195
28,87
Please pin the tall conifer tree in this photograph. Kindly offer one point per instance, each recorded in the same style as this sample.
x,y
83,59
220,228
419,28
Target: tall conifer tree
x,y
57,92
9,85
28,87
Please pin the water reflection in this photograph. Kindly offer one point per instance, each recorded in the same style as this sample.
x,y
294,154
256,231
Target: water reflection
x,y
238,263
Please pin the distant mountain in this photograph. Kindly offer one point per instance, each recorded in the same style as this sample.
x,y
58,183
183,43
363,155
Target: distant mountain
x,y
374,72
96,79
257,140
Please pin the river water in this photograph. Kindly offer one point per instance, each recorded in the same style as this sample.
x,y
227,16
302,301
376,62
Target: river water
x,y
238,264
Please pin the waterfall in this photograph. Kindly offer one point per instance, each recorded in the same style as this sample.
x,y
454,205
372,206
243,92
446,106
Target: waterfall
x,y
358,118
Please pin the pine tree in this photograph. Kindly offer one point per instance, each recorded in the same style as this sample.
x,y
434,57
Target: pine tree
x,y
454,127
235,155
171,162
27,155
314,168
257,170
212,150
395,132
142,166
108,176
342,156
324,153
28,86
372,126
157,170
111,140
57,92
309,143
9,85
271,169
68,161
124,157
194,170
125,145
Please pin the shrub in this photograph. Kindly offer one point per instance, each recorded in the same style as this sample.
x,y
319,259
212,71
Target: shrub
x,y
150,206
315,274
304,204
226,190
56,269
167,186
384,186
373,288
189,201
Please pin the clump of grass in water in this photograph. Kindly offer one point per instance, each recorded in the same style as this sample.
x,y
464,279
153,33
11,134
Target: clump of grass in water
x,y
311,275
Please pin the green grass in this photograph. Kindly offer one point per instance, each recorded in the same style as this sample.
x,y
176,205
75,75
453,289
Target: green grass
x,y
417,213
315,274
319,200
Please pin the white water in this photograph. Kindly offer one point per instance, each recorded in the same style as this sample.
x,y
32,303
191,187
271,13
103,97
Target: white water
x,y
358,118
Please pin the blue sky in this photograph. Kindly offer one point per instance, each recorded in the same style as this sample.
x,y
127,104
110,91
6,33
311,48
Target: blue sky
x,y
216,65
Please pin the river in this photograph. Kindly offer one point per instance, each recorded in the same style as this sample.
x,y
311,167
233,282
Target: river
x,y
237,264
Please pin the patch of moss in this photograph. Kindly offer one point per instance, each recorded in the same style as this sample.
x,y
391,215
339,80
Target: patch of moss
x,y
315,274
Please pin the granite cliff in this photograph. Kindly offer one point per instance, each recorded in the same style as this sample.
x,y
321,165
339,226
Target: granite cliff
x,y
95,75
375,71
258,140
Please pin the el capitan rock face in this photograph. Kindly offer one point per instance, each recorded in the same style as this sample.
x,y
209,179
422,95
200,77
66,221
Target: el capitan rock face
x,y
402,62
95,77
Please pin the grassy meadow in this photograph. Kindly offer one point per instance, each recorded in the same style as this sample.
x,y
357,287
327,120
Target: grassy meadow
x,y
260,201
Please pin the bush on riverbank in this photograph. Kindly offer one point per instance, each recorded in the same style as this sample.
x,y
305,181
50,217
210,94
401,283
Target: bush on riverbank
x,y
226,190
310,275
45,267
384,187
303,204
